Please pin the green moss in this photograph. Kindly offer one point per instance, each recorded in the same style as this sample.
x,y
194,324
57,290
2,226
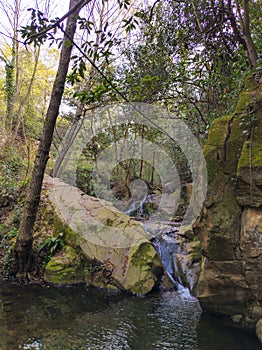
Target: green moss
x,y
213,165
195,251
143,270
244,161
247,96
146,256
238,132
71,237
257,155
245,100
216,176
64,268
226,212
144,284
250,83
223,149
218,131
251,155
145,252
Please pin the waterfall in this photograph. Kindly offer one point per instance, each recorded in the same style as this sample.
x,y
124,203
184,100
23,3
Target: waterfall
x,y
167,255
137,207
167,243
167,248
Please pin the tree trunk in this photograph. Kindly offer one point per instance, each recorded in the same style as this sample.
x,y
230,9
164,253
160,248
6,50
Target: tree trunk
x,y
23,247
245,28
247,35
80,111
20,121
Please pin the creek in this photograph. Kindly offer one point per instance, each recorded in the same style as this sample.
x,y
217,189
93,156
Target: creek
x,y
79,318
84,318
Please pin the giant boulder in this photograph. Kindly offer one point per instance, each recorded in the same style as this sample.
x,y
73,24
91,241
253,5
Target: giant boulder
x,y
116,252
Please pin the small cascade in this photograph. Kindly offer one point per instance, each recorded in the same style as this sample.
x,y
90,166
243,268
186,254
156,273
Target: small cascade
x,y
171,247
166,242
167,247
137,207
167,255
140,210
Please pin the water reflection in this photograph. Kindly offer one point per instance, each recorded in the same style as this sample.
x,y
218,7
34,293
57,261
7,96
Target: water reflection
x,y
212,335
77,318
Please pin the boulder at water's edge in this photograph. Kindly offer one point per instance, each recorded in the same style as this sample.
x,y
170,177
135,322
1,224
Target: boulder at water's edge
x,y
104,247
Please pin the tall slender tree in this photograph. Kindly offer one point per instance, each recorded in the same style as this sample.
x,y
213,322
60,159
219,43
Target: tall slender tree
x,y
23,247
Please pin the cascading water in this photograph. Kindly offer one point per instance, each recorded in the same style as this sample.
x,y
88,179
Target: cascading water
x,y
137,207
164,239
167,255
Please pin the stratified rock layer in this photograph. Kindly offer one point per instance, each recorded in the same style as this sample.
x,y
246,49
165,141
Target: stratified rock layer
x,y
230,227
110,250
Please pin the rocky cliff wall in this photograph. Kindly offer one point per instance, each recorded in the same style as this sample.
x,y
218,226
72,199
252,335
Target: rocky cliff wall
x,y
230,227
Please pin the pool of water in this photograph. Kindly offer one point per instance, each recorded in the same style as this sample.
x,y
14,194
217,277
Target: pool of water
x,y
83,318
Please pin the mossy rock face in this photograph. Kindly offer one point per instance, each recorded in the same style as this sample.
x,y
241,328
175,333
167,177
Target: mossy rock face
x,y
219,229
222,287
133,269
118,254
251,94
244,101
249,169
230,226
65,267
222,151
143,270
219,131
224,145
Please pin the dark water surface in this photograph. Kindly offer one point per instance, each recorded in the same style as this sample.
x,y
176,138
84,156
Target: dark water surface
x,y
81,318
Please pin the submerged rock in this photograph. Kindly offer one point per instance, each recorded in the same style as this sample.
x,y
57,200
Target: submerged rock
x,y
230,227
113,251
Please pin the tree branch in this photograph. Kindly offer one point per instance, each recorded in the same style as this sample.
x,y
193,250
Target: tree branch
x,y
80,4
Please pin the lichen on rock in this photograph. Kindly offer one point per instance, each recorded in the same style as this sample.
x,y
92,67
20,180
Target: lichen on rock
x,y
116,252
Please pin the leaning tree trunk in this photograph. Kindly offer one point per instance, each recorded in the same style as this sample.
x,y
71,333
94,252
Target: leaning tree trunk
x,y
23,247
